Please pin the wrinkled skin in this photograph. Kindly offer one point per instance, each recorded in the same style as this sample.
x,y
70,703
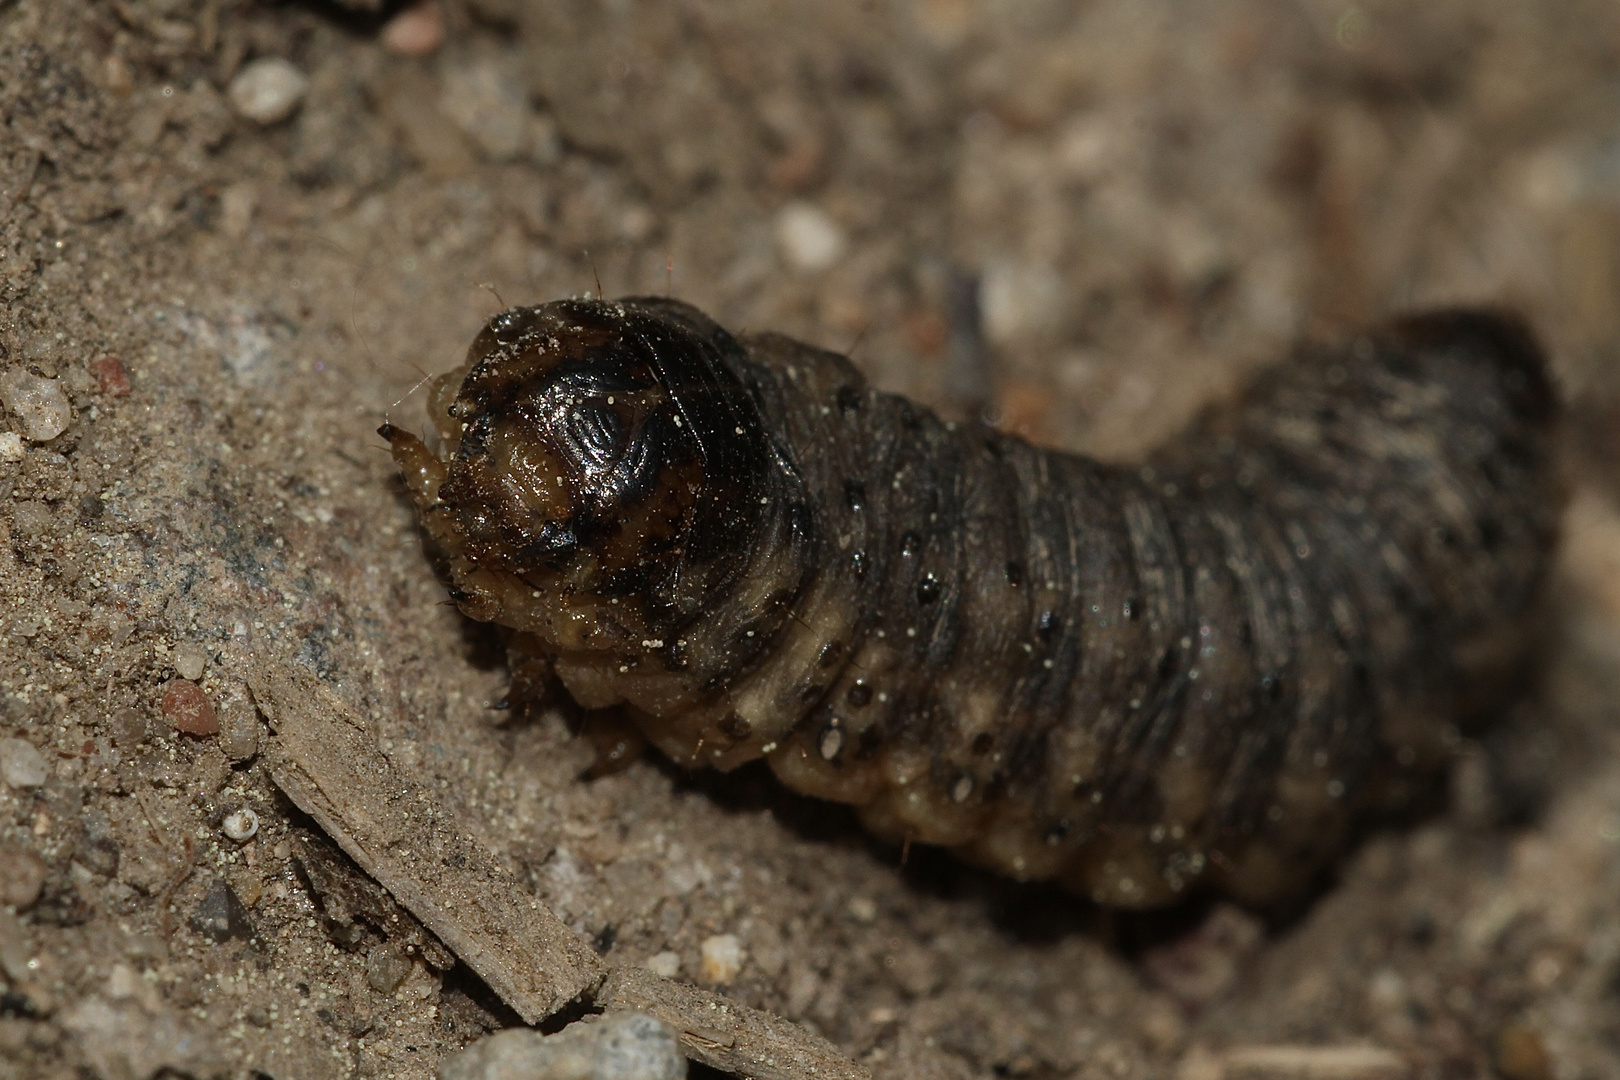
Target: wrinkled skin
x,y
1133,680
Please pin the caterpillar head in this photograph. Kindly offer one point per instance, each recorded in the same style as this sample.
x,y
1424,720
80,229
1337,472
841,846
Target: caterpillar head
x,y
601,469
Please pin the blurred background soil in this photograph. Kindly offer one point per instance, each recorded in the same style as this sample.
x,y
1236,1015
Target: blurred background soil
x,y
234,236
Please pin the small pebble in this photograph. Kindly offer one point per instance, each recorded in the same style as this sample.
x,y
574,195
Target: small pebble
x,y
620,1046
98,849
387,968
39,403
267,90
128,728
721,958
15,947
111,378
238,722
1020,300
189,661
119,626
220,915
416,31
22,875
187,709
249,887
665,964
22,766
808,236
240,824
11,446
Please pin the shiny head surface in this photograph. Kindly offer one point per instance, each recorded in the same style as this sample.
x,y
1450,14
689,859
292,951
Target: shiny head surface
x,y
594,448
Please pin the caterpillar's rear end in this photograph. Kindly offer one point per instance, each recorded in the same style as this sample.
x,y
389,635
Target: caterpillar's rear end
x,y
1130,680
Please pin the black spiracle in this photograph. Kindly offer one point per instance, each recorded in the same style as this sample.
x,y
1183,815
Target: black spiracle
x,y
1131,680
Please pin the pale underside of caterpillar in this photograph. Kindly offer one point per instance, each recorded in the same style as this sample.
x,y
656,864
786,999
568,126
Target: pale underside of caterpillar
x,y
1131,680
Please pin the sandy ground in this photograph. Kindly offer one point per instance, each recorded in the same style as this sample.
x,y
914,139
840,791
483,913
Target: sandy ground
x,y
204,315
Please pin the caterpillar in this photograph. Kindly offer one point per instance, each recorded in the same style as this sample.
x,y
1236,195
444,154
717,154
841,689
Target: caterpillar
x,y
1201,671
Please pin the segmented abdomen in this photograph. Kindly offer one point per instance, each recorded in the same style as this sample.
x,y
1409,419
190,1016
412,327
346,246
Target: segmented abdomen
x,y
1130,679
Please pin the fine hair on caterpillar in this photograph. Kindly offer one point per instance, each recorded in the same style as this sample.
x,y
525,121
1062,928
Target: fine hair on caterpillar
x,y
1135,681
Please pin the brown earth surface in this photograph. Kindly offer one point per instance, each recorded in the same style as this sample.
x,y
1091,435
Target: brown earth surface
x,y
1157,196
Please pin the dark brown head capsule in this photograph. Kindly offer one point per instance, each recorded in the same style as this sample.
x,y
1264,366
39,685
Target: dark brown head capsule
x,y
594,453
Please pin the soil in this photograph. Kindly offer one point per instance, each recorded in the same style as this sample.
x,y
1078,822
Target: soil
x,y
1155,198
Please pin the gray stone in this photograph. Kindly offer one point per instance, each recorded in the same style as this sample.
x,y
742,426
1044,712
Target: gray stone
x,y
39,403
619,1046
22,766
238,721
386,968
98,850
220,916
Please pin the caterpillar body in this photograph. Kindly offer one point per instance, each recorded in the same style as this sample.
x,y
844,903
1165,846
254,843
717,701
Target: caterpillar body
x,y
1133,680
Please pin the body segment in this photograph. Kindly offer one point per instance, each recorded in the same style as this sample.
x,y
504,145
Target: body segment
x,y
1128,679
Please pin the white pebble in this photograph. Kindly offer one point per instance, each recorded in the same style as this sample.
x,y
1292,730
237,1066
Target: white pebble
x,y
665,964
240,824
809,238
21,766
38,402
268,90
189,661
11,446
722,958
1020,300
620,1046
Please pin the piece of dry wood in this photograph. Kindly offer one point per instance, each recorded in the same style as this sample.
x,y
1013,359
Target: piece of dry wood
x,y
327,762
727,1036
